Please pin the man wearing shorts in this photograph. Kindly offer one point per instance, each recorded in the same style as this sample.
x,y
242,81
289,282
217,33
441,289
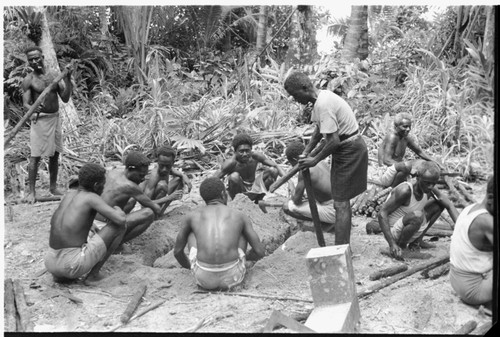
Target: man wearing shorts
x,y
241,170
217,238
392,150
45,132
335,121
70,255
471,251
299,208
411,209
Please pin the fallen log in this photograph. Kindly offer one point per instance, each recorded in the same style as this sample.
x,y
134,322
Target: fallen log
x,y
140,313
48,198
436,272
393,270
35,105
133,304
25,324
9,306
460,200
466,193
439,233
386,282
466,328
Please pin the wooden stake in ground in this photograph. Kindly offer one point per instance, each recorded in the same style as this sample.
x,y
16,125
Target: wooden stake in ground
x,y
35,105
9,306
133,304
22,308
314,208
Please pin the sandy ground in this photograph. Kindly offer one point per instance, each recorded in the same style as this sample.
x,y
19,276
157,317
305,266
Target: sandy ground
x,y
280,281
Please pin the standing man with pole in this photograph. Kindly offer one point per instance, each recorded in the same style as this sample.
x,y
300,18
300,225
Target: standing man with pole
x,y
45,134
335,121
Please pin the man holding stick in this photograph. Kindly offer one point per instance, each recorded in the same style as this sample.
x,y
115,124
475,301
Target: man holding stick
x,y
45,134
336,123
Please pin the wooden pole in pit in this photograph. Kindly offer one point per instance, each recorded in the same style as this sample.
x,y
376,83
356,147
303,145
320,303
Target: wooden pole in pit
x,y
314,208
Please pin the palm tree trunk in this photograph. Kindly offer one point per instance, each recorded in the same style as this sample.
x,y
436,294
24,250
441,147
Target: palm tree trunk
x,y
307,38
356,42
68,113
261,32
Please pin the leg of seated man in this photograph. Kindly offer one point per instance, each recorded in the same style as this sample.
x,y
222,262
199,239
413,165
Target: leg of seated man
x,y
138,222
326,211
269,176
411,223
472,288
112,236
432,211
235,184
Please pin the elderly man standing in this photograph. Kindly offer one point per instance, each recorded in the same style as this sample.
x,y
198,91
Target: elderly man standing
x,y
335,121
46,135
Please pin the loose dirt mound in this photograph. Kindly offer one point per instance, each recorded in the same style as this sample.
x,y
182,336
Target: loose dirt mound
x,y
280,281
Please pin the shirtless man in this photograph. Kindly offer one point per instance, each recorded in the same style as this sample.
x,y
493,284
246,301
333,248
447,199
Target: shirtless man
x,y
471,251
121,185
241,170
217,238
409,211
70,255
45,134
320,182
392,150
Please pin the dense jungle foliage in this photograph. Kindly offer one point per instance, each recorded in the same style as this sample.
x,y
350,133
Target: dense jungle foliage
x,y
195,76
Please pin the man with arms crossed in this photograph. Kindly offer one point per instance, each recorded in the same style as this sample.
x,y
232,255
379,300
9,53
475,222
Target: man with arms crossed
x,y
471,251
217,238
45,134
335,121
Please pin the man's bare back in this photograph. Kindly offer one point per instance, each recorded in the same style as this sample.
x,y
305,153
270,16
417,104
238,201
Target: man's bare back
x,y
320,182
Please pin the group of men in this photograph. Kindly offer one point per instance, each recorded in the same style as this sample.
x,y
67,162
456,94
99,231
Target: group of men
x,y
97,218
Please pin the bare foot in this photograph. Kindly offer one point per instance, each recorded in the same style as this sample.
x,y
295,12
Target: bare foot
x,y
421,244
30,198
55,191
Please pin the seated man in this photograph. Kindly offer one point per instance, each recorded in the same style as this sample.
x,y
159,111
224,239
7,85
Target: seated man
x,y
71,255
409,210
320,182
121,185
241,170
471,251
159,183
392,150
217,238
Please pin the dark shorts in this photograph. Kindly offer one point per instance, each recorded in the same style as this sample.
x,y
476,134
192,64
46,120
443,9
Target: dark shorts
x,y
349,169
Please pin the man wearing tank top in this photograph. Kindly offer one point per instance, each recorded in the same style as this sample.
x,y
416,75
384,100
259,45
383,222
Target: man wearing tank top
x,y
411,209
471,251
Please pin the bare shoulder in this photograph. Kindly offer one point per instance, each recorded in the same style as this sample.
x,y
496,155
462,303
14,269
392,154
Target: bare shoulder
x,y
484,222
259,156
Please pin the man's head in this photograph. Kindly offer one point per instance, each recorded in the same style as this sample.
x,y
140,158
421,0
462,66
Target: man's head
x,y
299,86
136,165
92,178
293,151
166,157
490,196
427,175
212,188
402,124
242,145
35,58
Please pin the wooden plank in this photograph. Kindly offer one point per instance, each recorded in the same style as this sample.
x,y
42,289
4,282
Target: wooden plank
x,y
392,270
22,308
9,306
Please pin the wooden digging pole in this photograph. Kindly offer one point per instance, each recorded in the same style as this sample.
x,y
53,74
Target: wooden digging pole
x,y
35,105
314,208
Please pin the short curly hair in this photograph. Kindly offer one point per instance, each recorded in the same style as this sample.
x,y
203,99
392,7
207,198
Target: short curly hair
x,y
398,119
33,48
428,167
211,188
297,80
294,150
166,151
136,159
241,138
89,174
